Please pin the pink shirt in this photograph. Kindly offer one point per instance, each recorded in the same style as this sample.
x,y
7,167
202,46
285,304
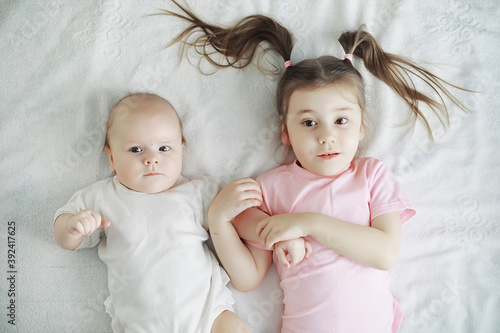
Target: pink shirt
x,y
328,292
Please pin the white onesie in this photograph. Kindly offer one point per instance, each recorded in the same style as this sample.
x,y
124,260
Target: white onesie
x,y
161,275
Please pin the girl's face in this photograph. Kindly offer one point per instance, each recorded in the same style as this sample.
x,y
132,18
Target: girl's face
x,y
145,147
324,127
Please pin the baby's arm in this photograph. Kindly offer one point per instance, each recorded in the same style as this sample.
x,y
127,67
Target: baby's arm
x,y
246,266
69,229
375,246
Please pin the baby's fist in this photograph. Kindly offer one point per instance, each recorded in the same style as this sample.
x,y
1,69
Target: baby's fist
x,y
85,223
292,252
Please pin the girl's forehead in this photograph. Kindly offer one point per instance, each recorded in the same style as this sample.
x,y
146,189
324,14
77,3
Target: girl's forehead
x,y
331,97
336,87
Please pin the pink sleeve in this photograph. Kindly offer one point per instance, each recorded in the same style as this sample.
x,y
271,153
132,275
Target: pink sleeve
x,y
386,194
264,206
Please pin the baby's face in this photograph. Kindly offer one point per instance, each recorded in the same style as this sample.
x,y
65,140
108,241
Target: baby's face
x,y
145,146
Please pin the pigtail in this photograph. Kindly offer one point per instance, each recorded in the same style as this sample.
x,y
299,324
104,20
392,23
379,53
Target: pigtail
x,y
236,44
398,73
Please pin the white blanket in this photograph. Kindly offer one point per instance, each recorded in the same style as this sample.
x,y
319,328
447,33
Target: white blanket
x,y
63,64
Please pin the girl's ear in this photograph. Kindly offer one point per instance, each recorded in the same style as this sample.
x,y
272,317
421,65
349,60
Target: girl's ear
x,y
110,157
362,132
284,136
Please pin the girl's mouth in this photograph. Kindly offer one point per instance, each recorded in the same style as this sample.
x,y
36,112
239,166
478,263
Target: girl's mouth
x,y
328,156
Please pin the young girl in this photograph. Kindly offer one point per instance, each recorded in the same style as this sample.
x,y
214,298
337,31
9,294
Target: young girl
x,y
150,223
333,220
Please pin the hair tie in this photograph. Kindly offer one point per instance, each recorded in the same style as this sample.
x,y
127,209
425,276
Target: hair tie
x,y
348,56
288,63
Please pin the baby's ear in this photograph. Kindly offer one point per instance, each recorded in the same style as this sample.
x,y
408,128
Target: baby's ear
x,y
110,157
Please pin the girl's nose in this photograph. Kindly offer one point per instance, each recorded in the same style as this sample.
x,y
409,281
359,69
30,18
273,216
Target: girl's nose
x,y
326,136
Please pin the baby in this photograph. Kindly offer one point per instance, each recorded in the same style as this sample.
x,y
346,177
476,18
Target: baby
x,y
149,221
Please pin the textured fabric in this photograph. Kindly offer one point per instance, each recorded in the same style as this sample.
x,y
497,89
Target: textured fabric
x,y
161,275
65,63
327,292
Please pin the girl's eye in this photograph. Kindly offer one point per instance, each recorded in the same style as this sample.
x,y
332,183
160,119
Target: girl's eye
x,y
341,121
309,123
135,150
164,148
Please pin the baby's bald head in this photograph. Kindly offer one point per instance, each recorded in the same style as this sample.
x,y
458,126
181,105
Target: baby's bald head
x,y
136,103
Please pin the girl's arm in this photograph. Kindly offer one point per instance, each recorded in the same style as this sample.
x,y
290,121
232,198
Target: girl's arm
x,y
245,265
69,229
289,252
375,246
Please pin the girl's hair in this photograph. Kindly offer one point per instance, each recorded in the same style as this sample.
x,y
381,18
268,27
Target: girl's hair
x,y
239,43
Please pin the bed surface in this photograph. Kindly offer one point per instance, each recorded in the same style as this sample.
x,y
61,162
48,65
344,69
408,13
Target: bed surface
x,y
63,65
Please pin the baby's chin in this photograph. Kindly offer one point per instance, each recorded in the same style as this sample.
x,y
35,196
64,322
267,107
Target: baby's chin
x,y
150,187
154,191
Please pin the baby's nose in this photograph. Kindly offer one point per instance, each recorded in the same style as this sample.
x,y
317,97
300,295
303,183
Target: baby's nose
x,y
151,160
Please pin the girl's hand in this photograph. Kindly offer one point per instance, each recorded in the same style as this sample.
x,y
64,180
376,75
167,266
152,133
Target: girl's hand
x,y
85,223
292,252
236,197
281,227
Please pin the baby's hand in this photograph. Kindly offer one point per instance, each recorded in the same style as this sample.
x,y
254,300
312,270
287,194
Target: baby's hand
x,y
236,197
292,252
85,223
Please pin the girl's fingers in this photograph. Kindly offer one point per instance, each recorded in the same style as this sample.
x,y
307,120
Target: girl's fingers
x,y
261,226
271,240
265,238
272,235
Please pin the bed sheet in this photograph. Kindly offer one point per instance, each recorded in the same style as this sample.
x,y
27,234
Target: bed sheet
x,y
64,64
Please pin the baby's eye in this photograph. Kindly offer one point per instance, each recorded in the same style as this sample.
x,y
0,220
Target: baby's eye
x,y
341,121
309,123
135,150
164,148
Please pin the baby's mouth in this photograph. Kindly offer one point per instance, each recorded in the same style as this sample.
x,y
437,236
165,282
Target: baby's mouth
x,y
153,174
